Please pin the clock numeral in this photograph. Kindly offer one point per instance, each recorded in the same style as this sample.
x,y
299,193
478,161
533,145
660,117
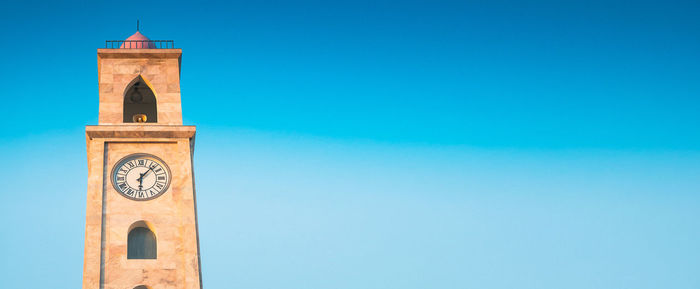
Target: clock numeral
x,y
122,169
157,170
159,185
120,178
161,178
131,164
141,194
151,192
130,192
122,186
142,162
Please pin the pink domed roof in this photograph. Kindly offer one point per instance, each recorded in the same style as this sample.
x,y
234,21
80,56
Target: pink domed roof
x,y
137,40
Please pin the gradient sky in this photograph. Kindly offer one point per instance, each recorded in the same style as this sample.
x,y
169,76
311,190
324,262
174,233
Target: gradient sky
x,y
381,144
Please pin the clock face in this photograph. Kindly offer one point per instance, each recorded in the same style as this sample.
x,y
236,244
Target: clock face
x,y
141,177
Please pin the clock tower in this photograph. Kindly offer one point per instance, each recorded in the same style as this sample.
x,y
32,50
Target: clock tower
x,y
141,219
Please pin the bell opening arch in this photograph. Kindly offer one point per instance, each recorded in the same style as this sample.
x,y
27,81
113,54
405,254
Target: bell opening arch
x,y
140,105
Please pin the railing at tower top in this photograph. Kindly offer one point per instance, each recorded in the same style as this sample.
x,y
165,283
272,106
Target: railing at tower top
x,y
139,44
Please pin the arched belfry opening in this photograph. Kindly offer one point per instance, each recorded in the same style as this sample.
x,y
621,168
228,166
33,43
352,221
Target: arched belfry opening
x,y
141,242
140,102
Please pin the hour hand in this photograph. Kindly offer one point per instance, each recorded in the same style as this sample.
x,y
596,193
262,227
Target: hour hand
x,y
140,179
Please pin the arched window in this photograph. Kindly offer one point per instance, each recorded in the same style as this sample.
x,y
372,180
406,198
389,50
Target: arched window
x,y
140,102
141,243
141,287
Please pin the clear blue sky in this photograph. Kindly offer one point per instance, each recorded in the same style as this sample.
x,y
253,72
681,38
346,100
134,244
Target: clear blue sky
x,y
381,144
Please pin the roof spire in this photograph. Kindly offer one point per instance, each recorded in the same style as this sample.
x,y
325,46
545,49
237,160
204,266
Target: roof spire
x,y
137,25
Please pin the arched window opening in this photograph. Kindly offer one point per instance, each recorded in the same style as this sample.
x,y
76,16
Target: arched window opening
x,y
141,243
140,102
141,287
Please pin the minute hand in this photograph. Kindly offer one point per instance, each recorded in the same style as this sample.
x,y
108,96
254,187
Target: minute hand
x,y
146,173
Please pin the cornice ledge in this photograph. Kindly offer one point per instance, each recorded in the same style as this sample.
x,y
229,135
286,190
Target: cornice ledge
x,y
140,131
139,53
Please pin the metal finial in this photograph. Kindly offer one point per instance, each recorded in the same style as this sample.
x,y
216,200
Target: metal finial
x,y
137,25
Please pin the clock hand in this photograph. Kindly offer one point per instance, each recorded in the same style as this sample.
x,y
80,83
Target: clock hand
x,y
143,175
140,179
146,173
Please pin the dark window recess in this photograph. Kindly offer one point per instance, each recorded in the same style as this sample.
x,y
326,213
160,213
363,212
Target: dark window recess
x,y
141,244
